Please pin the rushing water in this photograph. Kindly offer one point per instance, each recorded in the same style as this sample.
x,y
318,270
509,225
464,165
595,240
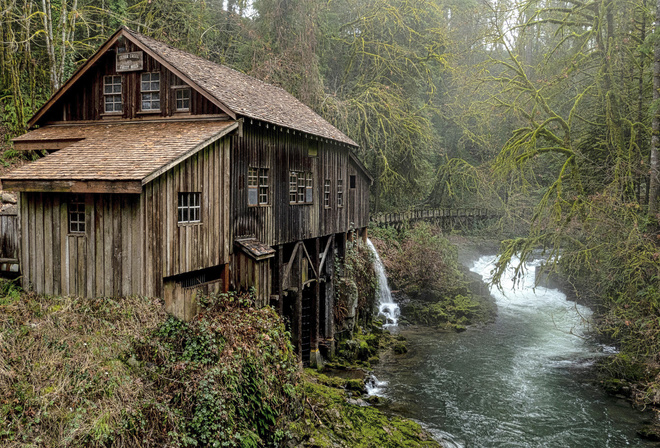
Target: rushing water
x,y
387,307
521,381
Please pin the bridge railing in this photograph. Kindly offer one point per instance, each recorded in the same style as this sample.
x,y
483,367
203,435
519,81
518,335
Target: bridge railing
x,y
443,216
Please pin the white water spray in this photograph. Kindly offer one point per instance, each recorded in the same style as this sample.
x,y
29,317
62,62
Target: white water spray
x,y
386,305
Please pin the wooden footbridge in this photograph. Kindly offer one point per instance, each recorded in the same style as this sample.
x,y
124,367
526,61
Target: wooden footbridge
x,y
446,218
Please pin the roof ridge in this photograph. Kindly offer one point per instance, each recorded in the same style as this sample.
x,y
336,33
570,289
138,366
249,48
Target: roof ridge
x,y
277,106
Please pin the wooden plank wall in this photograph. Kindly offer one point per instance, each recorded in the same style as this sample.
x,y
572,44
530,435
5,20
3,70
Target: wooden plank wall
x,y
106,260
252,273
358,198
85,102
9,234
173,249
280,150
182,302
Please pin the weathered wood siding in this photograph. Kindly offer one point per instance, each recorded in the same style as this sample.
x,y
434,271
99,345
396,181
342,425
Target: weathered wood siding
x,y
172,248
106,260
282,151
358,197
86,102
9,235
251,273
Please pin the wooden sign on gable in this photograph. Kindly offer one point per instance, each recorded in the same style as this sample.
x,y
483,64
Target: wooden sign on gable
x,y
130,62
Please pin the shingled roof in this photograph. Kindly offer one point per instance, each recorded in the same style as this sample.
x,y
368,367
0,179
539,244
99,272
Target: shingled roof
x,y
241,94
118,152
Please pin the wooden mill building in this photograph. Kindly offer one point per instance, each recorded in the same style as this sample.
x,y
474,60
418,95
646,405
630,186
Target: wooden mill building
x,y
167,174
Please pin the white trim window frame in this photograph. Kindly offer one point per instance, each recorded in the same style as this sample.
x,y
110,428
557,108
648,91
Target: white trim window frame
x,y
150,92
182,100
112,94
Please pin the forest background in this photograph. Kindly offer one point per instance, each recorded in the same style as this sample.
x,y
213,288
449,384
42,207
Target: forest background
x,y
544,110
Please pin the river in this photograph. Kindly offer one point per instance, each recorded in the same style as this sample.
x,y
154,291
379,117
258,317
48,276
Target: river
x,y
521,381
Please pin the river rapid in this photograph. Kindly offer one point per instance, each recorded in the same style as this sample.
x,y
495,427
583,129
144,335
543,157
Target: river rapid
x,y
523,381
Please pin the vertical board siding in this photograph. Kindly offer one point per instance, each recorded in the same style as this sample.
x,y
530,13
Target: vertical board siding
x,y
281,150
104,261
173,248
9,236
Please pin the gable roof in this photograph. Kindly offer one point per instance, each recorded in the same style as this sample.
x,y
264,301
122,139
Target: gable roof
x,y
234,92
133,153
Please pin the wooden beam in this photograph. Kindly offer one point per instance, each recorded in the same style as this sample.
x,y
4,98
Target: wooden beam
x,y
72,186
325,252
287,272
311,262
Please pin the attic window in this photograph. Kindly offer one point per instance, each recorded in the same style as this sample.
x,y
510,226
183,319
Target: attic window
x,y
112,94
150,88
352,181
183,100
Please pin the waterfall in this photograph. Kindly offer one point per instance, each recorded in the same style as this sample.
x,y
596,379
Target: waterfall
x,y
386,305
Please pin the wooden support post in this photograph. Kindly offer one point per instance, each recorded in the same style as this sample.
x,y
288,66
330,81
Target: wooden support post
x,y
330,298
365,235
225,278
315,357
297,311
341,245
279,273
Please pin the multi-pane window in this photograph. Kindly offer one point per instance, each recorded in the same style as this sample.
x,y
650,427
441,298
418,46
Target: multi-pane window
x,y
183,99
293,187
309,187
326,193
263,186
77,214
258,186
300,187
150,89
189,208
340,193
112,94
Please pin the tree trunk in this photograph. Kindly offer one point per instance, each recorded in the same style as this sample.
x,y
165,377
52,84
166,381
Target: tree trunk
x,y
655,138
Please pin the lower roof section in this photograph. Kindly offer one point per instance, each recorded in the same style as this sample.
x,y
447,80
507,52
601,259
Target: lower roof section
x,y
113,158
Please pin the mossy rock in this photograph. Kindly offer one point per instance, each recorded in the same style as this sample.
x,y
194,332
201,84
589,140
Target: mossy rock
x,y
400,348
331,421
649,432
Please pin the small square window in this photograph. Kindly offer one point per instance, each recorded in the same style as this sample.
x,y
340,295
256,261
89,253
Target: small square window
x,y
189,208
183,100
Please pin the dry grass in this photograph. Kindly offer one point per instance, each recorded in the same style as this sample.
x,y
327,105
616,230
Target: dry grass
x,y
64,379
